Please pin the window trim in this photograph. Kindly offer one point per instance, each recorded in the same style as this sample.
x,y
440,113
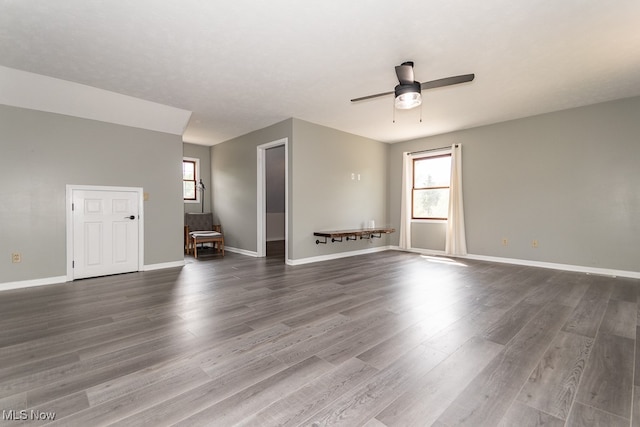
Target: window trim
x,y
443,153
196,177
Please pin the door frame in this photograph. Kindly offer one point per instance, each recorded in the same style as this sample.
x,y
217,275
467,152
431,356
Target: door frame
x,y
262,197
69,221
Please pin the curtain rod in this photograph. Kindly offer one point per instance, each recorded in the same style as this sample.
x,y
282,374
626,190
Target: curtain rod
x,y
431,149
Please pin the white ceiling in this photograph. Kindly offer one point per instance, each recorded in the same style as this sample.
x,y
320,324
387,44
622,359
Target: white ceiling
x,y
242,65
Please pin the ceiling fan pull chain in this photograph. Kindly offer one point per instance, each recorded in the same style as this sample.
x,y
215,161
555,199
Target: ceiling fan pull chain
x,y
394,111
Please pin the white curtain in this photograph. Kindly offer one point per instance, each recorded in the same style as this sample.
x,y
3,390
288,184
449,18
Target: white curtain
x,y
455,241
405,208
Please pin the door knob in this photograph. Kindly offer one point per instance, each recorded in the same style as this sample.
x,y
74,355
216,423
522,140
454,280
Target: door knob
x,y
130,217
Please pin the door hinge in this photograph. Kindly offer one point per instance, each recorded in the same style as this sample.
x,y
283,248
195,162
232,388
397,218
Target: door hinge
x,y
73,264
73,206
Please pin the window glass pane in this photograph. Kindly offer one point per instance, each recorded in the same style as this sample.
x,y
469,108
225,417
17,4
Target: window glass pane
x,y
431,203
432,172
188,170
189,190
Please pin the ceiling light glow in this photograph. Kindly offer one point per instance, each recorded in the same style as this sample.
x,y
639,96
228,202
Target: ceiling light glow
x,y
408,100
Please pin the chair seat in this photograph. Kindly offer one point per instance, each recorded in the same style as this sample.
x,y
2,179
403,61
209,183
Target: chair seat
x,y
196,237
199,228
205,234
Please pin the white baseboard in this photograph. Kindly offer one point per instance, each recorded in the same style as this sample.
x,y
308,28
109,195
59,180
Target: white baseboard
x,y
419,251
63,279
529,263
557,266
160,266
339,255
31,283
241,251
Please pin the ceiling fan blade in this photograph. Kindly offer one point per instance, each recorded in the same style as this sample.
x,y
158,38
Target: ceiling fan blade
x,y
447,81
405,73
372,96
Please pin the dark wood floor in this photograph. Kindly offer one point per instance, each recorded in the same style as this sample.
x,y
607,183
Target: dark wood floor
x,y
276,249
384,339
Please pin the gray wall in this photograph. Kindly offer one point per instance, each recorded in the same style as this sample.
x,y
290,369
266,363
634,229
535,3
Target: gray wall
x,y
324,196
568,179
275,179
40,153
202,153
321,193
234,183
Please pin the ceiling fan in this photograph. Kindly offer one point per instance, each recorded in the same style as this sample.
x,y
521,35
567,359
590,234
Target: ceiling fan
x,y
408,92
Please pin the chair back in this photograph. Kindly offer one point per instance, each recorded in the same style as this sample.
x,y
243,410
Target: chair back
x,y
199,221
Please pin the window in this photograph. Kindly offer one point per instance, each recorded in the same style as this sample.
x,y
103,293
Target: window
x,y
430,193
190,172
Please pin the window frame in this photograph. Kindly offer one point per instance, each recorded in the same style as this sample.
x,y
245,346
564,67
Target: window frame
x,y
196,163
414,188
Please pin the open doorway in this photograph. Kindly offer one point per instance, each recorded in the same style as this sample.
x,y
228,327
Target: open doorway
x,y
272,199
275,203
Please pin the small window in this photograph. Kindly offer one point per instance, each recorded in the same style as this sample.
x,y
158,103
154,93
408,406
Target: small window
x,y
430,193
190,174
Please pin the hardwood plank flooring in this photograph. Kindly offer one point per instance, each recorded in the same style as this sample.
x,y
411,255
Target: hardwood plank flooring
x,y
608,377
552,386
583,415
488,397
522,415
386,339
423,403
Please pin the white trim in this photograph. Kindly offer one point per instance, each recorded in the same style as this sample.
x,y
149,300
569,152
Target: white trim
x,y
557,266
338,255
261,213
69,221
419,251
241,251
429,221
529,263
31,283
163,265
567,267
63,279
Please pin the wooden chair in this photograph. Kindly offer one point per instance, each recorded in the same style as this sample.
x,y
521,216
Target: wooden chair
x,y
199,228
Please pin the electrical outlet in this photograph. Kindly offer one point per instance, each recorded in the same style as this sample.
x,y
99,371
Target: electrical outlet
x,y
534,244
505,241
16,257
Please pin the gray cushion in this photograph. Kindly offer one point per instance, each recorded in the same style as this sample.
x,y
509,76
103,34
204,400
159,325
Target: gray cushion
x,y
205,234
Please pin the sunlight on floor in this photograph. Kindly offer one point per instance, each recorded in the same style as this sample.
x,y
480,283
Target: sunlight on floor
x,y
442,260
435,298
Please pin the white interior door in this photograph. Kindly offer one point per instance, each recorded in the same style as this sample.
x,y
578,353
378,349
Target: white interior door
x,y
105,232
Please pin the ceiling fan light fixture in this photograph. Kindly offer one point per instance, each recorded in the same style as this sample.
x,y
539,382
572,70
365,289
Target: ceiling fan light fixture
x,y
408,96
409,100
